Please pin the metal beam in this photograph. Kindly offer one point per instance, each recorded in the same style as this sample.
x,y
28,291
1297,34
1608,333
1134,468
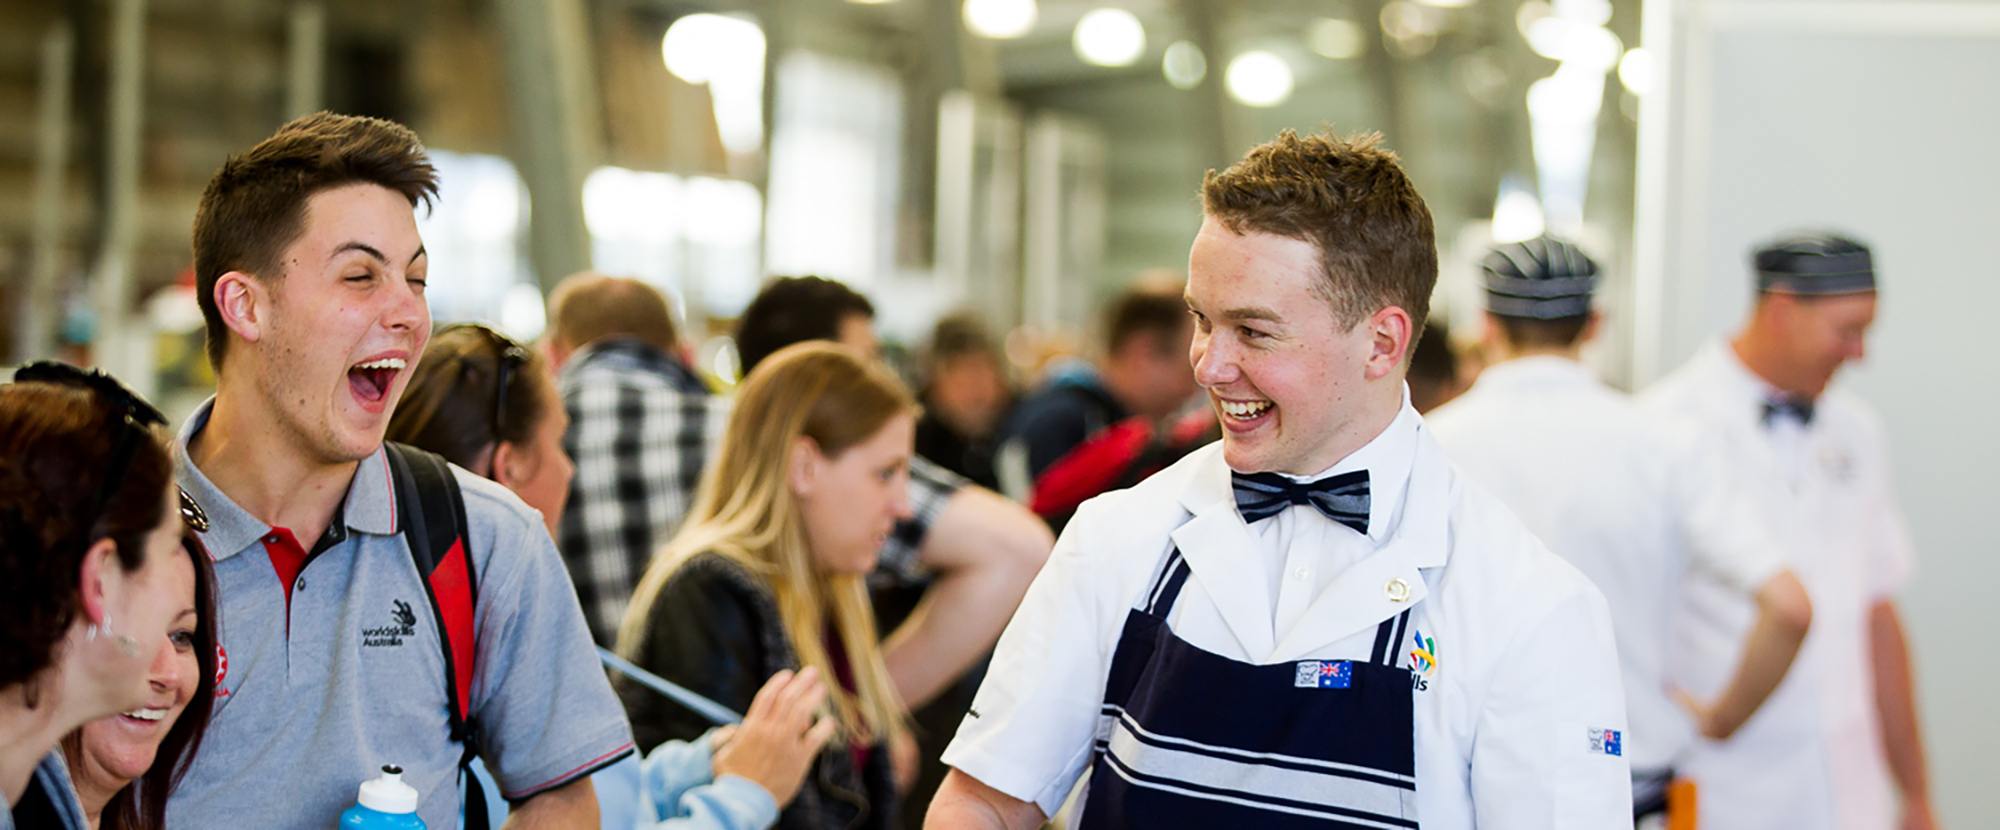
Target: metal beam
x,y
117,348
1218,129
555,122
1386,77
305,57
38,310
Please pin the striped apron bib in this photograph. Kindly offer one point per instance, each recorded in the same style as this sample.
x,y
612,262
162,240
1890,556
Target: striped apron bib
x,y
1188,738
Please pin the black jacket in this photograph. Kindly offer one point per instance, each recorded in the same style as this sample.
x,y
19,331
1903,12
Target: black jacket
x,y
715,629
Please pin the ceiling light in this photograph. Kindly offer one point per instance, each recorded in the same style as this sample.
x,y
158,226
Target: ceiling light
x,y
1000,19
1259,79
1335,38
1184,65
1109,37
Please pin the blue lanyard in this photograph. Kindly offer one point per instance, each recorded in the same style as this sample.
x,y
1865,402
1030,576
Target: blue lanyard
x,y
719,714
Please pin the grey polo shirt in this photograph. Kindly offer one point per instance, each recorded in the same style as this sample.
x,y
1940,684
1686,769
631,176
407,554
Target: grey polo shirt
x,y
331,664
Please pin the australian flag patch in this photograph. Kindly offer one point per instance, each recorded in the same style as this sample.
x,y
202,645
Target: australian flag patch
x,y
1323,674
1607,742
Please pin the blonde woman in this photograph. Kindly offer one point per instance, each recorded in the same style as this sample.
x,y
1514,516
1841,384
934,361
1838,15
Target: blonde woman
x,y
767,572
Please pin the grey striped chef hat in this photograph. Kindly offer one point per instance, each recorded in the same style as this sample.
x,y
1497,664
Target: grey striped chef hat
x,y
1539,279
1815,263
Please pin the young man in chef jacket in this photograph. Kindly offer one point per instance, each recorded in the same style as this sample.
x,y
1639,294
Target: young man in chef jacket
x,y
1633,505
1838,745
1315,620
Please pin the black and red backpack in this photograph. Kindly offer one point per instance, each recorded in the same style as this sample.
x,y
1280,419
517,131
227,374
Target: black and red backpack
x,y
431,511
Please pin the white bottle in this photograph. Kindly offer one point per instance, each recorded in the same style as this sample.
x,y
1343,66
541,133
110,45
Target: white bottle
x,y
385,803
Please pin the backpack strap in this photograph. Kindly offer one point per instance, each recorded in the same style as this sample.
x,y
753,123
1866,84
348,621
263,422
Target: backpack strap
x,y
430,512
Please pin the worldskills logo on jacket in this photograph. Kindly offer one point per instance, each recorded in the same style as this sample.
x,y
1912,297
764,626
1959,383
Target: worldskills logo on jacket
x,y
1423,659
403,623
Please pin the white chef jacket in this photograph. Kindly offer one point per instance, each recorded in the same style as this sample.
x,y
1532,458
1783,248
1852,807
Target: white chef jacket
x,y
1630,503
1812,756
1510,719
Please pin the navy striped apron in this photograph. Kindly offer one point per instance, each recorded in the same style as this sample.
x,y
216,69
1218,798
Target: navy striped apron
x,y
1188,738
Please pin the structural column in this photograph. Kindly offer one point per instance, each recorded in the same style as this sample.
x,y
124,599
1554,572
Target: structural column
x,y
553,97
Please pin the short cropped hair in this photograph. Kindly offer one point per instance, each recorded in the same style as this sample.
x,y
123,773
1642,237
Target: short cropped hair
x,y
1138,312
1528,333
959,334
794,310
255,205
1350,198
588,307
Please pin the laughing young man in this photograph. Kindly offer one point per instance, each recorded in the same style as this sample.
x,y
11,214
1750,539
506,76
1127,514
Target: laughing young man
x,y
1315,623
311,275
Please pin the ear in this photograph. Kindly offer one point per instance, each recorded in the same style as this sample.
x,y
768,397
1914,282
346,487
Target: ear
x,y
243,303
1591,328
99,568
557,352
804,468
1391,335
508,464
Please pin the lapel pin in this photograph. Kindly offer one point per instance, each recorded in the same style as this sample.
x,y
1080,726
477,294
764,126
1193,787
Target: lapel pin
x,y
192,514
1399,591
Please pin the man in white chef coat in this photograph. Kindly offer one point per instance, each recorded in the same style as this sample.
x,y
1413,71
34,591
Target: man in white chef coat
x,y
1636,507
1837,746
1315,622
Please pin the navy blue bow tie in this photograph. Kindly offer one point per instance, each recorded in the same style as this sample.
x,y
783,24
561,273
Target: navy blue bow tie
x,y
1788,407
1343,498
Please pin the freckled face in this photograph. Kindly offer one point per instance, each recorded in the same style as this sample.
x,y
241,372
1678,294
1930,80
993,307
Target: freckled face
x,y
1282,374
346,320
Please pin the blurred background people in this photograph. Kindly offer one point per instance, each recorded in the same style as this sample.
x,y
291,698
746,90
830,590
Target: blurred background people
x,y
489,404
1837,745
953,570
92,527
485,402
1141,372
769,571
1439,371
962,376
642,425
1640,510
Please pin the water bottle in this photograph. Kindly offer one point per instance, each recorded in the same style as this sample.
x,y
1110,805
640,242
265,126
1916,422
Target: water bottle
x,y
386,803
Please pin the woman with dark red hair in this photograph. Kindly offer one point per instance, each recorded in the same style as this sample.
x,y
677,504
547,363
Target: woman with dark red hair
x,y
90,532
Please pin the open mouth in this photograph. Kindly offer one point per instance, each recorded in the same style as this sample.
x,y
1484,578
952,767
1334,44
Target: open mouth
x,y
371,380
1243,410
145,716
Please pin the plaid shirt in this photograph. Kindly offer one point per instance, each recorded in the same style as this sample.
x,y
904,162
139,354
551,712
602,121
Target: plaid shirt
x,y
642,427
930,487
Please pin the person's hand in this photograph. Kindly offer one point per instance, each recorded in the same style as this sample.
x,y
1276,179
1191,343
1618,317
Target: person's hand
x,y
905,760
779,737
1702,714
1917,816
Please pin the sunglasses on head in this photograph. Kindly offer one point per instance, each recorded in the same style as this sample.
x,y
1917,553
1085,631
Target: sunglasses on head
x,y
129,414
510,356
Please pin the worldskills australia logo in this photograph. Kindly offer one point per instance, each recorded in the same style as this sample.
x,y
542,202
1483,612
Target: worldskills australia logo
x,y
221,669
402,623
1423,659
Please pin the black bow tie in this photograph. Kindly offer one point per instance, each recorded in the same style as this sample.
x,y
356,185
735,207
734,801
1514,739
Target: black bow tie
x,y
1788,407
1343,498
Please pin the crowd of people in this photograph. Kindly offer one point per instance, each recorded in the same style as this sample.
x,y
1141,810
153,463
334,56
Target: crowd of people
x,y
1257,560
